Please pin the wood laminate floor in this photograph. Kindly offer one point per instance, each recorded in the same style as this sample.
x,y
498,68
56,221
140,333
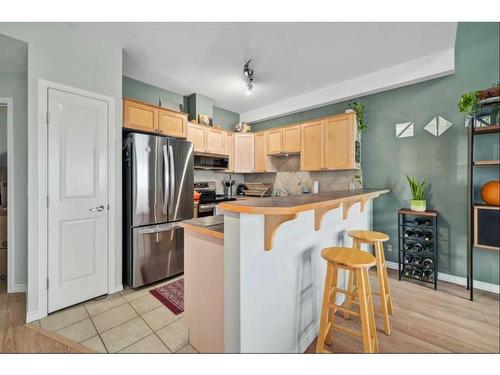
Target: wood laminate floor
x,y
428,321
15,337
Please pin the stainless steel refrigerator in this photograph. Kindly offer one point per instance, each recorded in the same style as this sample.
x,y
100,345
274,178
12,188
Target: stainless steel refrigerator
x,y
158,192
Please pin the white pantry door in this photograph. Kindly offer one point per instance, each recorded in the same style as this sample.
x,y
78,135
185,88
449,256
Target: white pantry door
x,y
78,199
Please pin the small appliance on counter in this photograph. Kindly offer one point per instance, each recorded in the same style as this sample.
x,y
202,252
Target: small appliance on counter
x,y
240,189
209,200
227,184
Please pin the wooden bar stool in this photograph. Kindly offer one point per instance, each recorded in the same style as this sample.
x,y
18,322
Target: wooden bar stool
x,y
357,262
376,239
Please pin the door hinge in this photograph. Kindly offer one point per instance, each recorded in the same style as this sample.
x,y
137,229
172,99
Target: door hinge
x,y
47,118
47,283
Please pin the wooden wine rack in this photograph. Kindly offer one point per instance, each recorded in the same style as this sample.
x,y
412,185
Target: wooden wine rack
x,y
415,222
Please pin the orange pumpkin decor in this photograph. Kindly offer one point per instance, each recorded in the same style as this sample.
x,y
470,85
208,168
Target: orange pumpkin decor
x,y
490,193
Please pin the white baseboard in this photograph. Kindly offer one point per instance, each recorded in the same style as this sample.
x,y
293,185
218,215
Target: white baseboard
x,y
481,285
17,288
34,315
307,339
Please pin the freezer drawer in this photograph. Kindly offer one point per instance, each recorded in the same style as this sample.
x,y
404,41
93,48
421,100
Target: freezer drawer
x,y
157,252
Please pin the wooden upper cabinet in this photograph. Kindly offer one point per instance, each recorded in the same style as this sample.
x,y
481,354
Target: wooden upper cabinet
x,y
340,134
311,146
244,153
260,152
172,123
140,116
229,149
274,144
214,141
291,139
196,134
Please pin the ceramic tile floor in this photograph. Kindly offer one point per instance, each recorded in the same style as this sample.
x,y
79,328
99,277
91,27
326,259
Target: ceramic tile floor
x,y
130,321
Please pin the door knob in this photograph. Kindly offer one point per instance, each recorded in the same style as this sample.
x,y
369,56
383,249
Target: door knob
x,y
97,209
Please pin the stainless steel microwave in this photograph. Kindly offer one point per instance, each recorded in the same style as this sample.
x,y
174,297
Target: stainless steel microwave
x,y
210,162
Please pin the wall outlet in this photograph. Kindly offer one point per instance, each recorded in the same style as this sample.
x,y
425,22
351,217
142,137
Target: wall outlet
x,y
389,247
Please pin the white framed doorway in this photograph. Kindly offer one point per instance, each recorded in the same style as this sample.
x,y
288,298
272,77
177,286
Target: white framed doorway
x,y
83,102
11,191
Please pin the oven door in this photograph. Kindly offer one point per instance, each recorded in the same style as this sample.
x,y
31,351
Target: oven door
x,y
206,209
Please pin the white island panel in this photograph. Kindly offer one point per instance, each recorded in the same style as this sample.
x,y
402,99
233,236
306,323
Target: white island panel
x,y
272,299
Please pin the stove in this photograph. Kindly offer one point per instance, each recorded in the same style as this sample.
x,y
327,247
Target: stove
x,y
209,199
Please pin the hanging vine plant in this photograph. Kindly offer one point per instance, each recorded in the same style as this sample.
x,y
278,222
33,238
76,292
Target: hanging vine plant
x,y
359,108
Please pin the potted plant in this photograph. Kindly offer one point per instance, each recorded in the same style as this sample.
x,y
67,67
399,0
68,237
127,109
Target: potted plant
x,y
468,103
417,189
359,109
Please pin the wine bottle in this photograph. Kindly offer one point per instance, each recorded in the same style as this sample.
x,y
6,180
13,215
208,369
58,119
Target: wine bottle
x,y
428,248
417,233
427,236
427,263
428,274
427,223
408,233
417,221
408,246
408,259
408,271
418,247
417,260
417,274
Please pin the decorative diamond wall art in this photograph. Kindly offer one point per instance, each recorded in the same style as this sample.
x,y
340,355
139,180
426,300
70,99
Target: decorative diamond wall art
x,y
437,126
405,130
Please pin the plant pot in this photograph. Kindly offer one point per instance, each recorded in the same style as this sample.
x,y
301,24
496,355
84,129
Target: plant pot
x,y
418,205
489,93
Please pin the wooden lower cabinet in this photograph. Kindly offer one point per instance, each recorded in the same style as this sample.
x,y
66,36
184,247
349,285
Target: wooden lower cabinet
x,y
172,123
140,116
311,146
196,135
244,153
214,141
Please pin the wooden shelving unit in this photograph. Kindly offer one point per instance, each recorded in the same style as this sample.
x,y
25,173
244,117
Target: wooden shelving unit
x,y
482,220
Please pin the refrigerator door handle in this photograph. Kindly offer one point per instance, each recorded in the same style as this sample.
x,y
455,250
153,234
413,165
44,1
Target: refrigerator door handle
x,y
166,178
172,176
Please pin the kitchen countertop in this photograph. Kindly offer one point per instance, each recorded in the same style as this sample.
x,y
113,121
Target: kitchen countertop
x,y
293,204
211,225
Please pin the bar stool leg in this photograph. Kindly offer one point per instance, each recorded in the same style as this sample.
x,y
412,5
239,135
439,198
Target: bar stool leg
x,y
368,345
351,283
386,278
371,312
382,287
332,306
320,344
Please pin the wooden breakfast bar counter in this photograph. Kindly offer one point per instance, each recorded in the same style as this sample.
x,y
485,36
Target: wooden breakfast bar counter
x,y
259,269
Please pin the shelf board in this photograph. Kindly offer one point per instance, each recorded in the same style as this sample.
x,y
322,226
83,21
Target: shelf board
x,y
487,162
487,129
418,213
486,206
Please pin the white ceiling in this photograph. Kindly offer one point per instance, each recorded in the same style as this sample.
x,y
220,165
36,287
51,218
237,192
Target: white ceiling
x,y
13,55
289,59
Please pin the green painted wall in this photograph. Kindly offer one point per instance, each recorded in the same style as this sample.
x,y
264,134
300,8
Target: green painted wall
x,y
441,160
224,118
151,94
192,104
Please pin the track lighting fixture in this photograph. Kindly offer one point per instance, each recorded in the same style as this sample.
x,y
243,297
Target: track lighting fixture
x,y
249,76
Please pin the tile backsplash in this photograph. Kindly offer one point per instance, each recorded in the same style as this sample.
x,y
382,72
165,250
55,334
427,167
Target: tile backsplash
x,y
289,180
204,175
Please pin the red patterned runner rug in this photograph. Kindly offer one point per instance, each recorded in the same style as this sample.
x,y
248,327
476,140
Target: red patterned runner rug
x,y
171,295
